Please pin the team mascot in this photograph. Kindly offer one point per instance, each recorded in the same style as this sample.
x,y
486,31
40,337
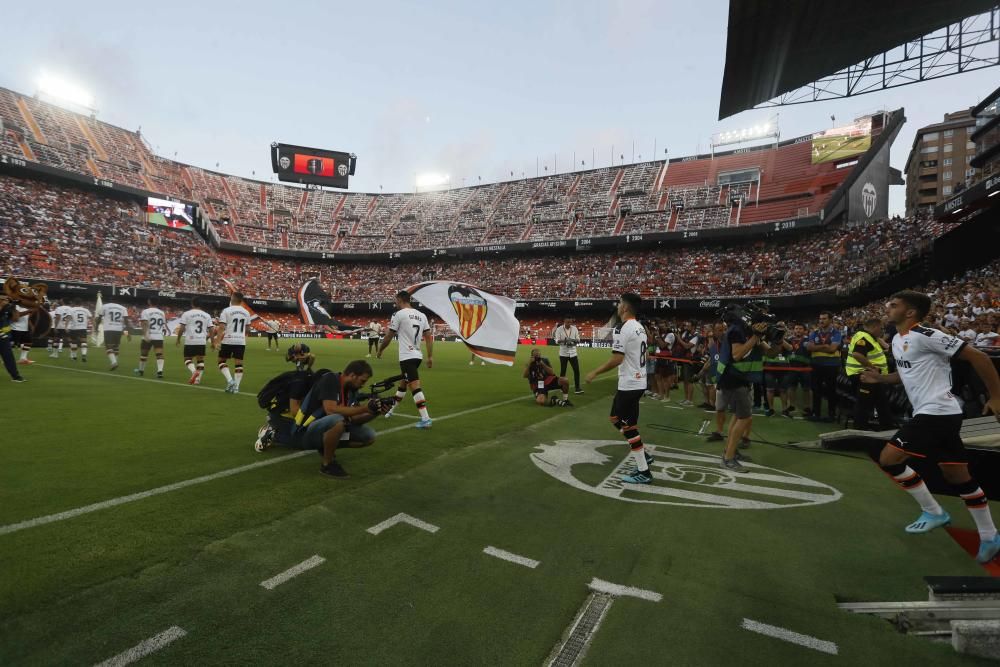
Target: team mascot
x,y
20,300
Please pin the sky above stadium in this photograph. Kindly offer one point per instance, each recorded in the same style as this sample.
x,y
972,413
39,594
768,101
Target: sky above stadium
x,y
473,90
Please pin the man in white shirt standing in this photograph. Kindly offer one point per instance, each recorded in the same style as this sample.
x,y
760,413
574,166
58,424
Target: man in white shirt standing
x,y
232,332
154,329
114,316
628,354
196,328
409,326
20,333
79,329
923,364
567,337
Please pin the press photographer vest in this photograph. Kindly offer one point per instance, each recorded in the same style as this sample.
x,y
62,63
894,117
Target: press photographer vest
x,y
746,371
876,355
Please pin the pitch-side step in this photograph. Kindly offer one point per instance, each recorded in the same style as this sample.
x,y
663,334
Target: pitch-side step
x,y
963,588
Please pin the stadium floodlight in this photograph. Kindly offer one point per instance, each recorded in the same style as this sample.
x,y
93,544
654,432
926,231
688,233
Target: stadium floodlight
x,y
66,91
752,133
432,180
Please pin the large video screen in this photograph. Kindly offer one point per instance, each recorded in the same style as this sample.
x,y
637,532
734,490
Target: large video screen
x,y
166,213
842,142
316,166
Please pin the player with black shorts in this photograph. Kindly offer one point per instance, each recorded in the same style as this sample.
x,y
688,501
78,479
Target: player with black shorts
x,y
114,317
628,354
410,326
196,328
154,328
273,328
542,379
923,364
232,333
374,334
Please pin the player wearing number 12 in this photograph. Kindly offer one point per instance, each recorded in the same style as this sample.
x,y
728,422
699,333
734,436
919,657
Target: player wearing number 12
x,y
232,332
114,317
628,355
409,326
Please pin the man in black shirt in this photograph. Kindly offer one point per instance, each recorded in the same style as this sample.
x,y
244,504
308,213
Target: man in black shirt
x,y
542,379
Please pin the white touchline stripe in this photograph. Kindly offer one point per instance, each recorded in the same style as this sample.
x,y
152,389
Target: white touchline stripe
x,y
109,374
114,502
787,635
278,579
142,649
511,557
403,518
618,590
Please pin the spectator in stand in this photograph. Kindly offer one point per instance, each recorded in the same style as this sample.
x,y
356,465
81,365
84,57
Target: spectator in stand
x,y
824,350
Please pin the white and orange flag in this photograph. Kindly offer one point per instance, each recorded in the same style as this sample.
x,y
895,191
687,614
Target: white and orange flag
x,y
485,322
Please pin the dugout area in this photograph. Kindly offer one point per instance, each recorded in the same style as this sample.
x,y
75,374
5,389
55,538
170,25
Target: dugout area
x,y
85,589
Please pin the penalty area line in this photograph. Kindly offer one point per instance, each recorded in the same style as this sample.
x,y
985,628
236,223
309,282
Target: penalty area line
x,y
114,502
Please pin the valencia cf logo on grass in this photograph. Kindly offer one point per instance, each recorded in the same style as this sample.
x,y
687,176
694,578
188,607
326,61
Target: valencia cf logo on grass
x,y
470,307
680,477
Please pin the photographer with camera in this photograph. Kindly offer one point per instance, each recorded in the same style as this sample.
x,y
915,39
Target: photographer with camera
x,y
567,337
542,379
300,355
334,408
824,348
741,364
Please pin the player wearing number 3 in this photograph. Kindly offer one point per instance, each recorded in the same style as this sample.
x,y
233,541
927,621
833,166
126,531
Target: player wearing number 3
x,y
628,355
232,332
195,327
409,326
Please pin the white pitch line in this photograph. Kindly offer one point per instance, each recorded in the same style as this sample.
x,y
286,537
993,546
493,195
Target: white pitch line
x,y
511,557
110,374
278,579
142,649
114,502
402,518
774,631
618,590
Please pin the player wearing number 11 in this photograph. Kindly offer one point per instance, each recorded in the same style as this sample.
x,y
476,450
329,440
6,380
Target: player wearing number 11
x,y
232,332
409,326
628,355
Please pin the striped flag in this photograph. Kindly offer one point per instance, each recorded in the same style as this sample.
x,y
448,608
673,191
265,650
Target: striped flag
x,y
485,322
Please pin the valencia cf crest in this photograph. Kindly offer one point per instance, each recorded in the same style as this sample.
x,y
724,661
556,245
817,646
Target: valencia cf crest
x,y
470,307
906,345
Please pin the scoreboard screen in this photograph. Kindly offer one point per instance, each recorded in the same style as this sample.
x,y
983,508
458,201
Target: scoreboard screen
x,y
316,166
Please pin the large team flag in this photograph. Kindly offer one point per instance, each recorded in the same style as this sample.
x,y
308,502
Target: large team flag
x,y
313,302
485,322
256,320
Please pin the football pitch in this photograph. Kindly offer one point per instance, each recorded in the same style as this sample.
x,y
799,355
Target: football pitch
x,y
136,516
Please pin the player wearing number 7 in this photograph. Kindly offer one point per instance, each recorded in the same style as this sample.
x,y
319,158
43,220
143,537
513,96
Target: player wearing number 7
x,y
628,355
232,332
409,326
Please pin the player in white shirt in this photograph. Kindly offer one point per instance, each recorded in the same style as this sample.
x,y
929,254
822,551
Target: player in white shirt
x,y
60,326
79,329
232,332
273,329
628,354
374,336
114,317
20,333
154,330
567,337
923,364
410,326
196,328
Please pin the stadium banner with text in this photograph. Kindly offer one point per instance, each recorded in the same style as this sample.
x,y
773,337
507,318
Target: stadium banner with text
x,y
842,142
485,322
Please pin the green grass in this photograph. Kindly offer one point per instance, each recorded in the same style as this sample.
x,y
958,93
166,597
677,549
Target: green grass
x,y
82,590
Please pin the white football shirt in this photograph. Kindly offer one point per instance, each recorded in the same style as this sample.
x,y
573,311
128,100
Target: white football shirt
x,y
60,317
923,361
196,325
22,323
79,319
236,320
113,317
630,340
409,325
562,334
157,320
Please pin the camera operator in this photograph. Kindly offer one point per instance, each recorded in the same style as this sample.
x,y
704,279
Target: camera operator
x,y
542,379
824,348
330,410
741,364
866,352
567,337
300,355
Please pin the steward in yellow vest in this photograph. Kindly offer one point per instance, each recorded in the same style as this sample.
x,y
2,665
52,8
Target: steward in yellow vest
x,y
867,351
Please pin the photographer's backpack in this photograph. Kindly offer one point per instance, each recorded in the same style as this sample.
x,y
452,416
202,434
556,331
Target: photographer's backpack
x,y
274,396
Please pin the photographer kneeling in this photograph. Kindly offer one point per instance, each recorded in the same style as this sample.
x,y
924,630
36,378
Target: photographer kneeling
x,y
542,379
331,410
741,364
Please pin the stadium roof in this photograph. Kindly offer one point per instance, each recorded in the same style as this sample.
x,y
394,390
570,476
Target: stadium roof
x,y
775,47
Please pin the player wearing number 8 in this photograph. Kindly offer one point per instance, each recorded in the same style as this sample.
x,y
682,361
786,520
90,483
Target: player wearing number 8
x,y
232,332
409,326
628,354
114,317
